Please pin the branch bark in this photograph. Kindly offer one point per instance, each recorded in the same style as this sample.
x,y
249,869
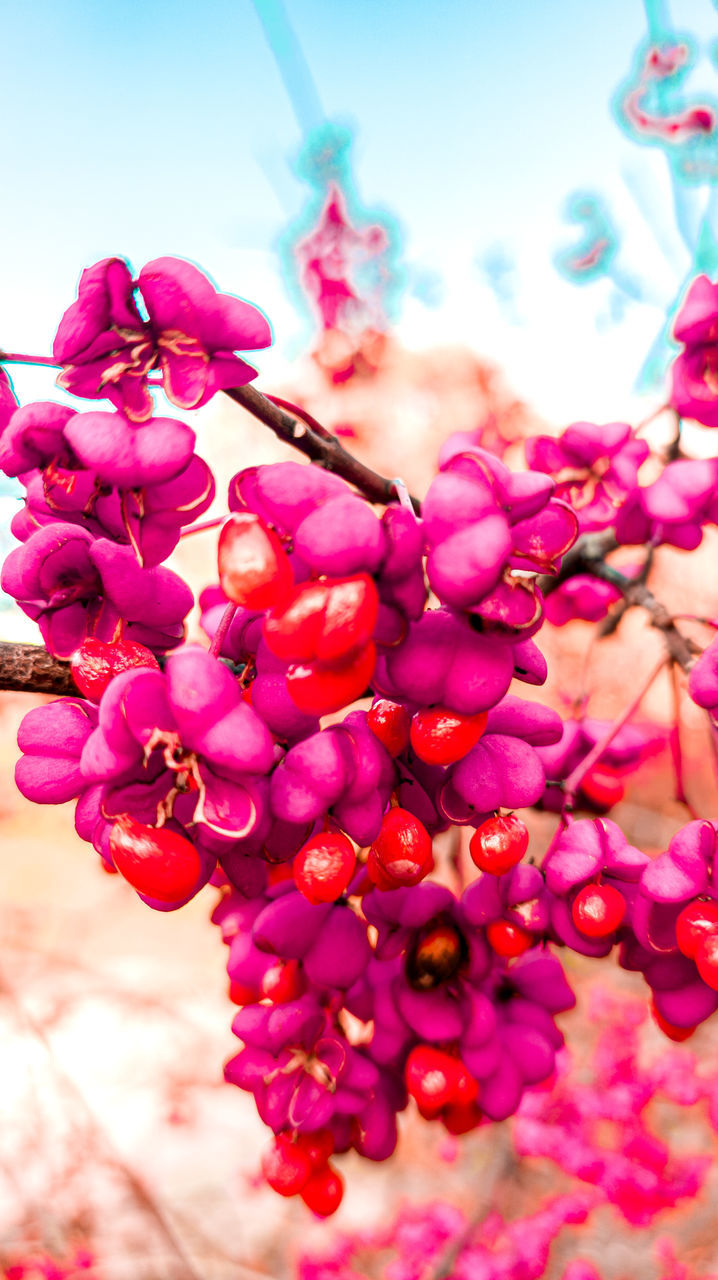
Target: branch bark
x,y
29,668
325,450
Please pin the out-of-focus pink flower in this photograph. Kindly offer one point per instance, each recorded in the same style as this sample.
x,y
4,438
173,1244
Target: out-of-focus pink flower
x,y
694,376
107,350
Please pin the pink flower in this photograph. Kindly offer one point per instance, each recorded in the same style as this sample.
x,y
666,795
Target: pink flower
x,y
694,377
107,350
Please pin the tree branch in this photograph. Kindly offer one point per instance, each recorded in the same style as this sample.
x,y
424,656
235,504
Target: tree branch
x,y
325,450
29,668
588,556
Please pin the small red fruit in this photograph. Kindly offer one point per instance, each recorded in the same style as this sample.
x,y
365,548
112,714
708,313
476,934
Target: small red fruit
x,y
318,1146
156,861
240,993
324,866
674,1033
442,736
695,922
602,787
508,940
461,1117
324,1191
318,690
402,850
430,1075
598,910
286,1167
282,982
325,620
706,958
254,569
390,723
499,844
96,662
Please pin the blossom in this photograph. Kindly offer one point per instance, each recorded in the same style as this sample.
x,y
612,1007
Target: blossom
x,y
107,350
694,376
595,468
74,585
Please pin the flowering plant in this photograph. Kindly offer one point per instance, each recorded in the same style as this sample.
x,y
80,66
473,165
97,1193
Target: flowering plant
x,y
352,711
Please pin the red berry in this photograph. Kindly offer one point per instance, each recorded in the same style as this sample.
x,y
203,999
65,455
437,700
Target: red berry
x,y
461,1117
282,982
695,922
254,569
95,663
157,862
402,849
286,1167
240,993
508,940
674,1033
499,844
706,958
318,1146
602,787
318,689
598,910
430,1077
390,722
442,736
324,867
326,620
324,1191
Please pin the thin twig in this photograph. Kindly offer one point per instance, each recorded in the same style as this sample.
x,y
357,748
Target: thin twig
x,y
675,745
575,778
325,450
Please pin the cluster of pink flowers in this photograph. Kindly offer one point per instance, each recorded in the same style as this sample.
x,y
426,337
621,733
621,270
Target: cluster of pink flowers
x,y
341,720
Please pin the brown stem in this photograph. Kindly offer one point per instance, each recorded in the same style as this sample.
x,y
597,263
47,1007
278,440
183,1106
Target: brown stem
x,y
29,668
325,451
588,556
576,777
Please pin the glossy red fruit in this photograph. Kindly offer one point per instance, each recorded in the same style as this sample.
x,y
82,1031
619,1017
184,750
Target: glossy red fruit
x,y
286,1167
319,690
430,1076
602,787
706,958
507,939
461,1117
95,663
254,569
695,922
390,722
674,1033
318,1146
402,850
324,866
442,736
326,620
598,910
157,862
241,994
282,982
499,844
324,1191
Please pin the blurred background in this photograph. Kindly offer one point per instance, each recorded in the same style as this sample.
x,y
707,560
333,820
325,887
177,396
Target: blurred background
x,y
462,216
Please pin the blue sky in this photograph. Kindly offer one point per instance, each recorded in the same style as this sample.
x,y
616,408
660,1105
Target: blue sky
x,y
154,128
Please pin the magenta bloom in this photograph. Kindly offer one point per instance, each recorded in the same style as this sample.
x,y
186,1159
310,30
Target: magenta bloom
x,y
107,350
595,468
694,377
674,508
74,585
